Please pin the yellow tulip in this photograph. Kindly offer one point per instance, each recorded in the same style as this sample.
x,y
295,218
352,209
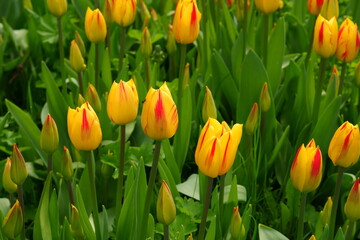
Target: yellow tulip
x,y
314,6
57,7
352,205
268,6
325,36
348,41
8,183
124,12
49,138
159,117
84,127
330,9
108,11
217,146
76,58
123,102
95,26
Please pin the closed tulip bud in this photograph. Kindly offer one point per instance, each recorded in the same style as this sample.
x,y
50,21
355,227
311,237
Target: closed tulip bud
x,y
145,14
76,228
252,120
305,172
186,21
217,146
330,9
108,11
344,146
357,74
13,221
265,98
93,97
208,107
325,36
165,206
18,171
8,183
95,26
348,43
154,14
171,43
335,77
80,43
81,100
57,7
312,237
268,6
325,214
124,12
84,127
146,45
76,59
49,138
159,117
314,6
352,205
123,95
66,165
237,229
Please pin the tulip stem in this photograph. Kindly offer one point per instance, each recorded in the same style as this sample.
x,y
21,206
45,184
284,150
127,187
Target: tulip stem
x,y
119,194
108,41
61,53
122,50
205,209
97,66
81,86
181,73
171,67
301,217
21,200
50,163
318,89
149,189
244,28
350,230
266,33
71,192
166,232
93,194
342,77
221,198
147,73
335,203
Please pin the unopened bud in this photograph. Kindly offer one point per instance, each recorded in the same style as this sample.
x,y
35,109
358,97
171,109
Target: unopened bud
x,y
208,107
357,74
8,184
18,170
76,227
13,222
49,138
81,100
325,214
265,98
145,14
80,43
237,229
165,207
335,77
93,97
66,166
146,45
251,121
186,78
171,42
153,14
76,58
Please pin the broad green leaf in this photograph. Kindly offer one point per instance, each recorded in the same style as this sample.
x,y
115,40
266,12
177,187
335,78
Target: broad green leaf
x,y
170,160
211,232
339,235
85,222
150,227
105,225
65,231
126,219
165,174
268,233
190,187
54,216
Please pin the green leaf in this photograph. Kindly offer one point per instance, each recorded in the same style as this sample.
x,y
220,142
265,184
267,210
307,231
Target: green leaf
x,y
105,224
84,219
126,219
166,175
54,216
339,235
267,233
170,160
190,187
65,231
211,232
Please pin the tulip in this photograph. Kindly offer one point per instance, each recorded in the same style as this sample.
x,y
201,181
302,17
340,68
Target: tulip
x,y
18,171
108,11
335,77
80,43
217,146
348,43
265,98
344,146
252,120
8,184
268,6
66,165
186,21
145,14
84,127
93,97
76,228
325,36
325,214
57,7
146,45
330,9
49,138
305,172
13,221
124,12
159,117
95,26
314,6
124,96
208,107
165,206
76,58
171,44
237,229
352,205
229,3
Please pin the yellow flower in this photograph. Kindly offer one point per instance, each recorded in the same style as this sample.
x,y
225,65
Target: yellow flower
x,y
165,206
49,138
57,7
186,21
325,36
314,6
330,9
13,221
84,127
159,117
348,43
95,26
108,10
305,172
124,12
352,205
8,183
76,58
268,6
217,146
124,96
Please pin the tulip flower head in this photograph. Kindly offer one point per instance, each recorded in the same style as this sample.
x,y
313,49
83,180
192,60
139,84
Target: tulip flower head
x,y
66,165
208,107
76,228
145,44
165,206
7,182
314,6
76,58
84,127
237,229
265,100
330,9
325,36
344,146
252,120
352,205
57,7
18,171
93,98
108,11
124,96
124,12
305,172
49,138
268,6
186,21
159,117
217,146
312,237
95,26
13,221
348,43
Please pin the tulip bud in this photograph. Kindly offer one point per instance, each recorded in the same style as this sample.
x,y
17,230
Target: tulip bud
x,y
145,14
81,100
80,43
268,6
108,10
165,206
190,237
312,237
18,171
325,214
123,95
84,127
352,205
76,59
305,172
357,74
186,21
348,43
314,6
344,146
8,184
124,12
237,229
49,138
171,44
95,26
330,9
252,120
13,221
66,166
146,45
335,77
265,98
159,117
208,107
57,7
93,97
76,227
325,36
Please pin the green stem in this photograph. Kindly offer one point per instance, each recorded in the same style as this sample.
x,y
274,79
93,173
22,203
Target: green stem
x,y
108,41
342,77
21,200
205,209
308,54
93,194
166,232
122,49
61,53
244,28
50,163
97,66
318,89
147,73
266,33
149,189
350,230
171,67
119,194
71,192
221,200
335,203
81,85
300,228
181,72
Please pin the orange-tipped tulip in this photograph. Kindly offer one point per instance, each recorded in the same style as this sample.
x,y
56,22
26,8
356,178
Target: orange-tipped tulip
x,y
57,7
159,117
124,96
352,205
108,11
49,138
84,127
217,146
330,9
76,58
124,12
344,146
264,99
95,26
186,24
252,120
268,6
18,171
7,182
348,41
325,36
165,206
314,6
237,228
305,172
